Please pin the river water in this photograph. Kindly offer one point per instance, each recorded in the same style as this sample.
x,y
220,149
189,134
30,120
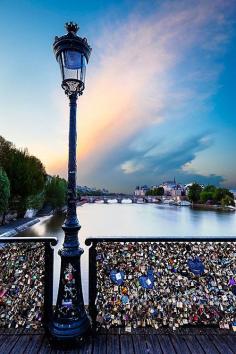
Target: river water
x,y
134,220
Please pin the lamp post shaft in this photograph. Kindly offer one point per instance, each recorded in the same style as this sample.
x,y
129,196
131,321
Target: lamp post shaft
x,y
71,219
70,319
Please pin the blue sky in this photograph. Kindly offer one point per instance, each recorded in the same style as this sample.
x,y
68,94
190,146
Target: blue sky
x,y
160,89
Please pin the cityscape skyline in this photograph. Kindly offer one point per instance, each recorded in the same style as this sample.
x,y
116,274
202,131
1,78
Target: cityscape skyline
x,y
160,108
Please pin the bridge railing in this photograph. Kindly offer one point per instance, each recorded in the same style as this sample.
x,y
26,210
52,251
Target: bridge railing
x,y
162,282
26,281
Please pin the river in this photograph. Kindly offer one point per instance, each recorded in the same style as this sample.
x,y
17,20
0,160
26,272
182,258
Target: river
x,y
134,220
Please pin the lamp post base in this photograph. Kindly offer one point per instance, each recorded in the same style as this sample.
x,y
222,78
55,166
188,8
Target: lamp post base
x,y
70,318
70,332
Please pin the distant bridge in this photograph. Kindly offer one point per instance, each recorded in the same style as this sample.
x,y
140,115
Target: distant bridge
x,y
120,199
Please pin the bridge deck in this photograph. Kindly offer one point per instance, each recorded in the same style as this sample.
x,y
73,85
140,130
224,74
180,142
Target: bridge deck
x,y
142,342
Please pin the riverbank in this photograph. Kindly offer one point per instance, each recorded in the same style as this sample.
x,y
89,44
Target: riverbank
x,y
212,207
17,226
14,227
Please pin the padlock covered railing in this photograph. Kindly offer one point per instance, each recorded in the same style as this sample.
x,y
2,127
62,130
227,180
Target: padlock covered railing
x,y
162,282
26,282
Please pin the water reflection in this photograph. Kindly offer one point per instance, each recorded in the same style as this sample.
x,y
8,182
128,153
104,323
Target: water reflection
x,y
134,220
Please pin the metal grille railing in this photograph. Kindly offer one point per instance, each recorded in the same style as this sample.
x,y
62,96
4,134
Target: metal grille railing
x,y
26,282
162,282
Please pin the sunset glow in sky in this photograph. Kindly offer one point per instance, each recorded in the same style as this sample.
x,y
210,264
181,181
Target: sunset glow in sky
x,y
160,97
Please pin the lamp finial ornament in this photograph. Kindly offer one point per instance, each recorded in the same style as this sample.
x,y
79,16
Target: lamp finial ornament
x,y
71,27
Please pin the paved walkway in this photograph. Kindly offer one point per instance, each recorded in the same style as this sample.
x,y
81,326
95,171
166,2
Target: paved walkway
x,y
16,226
183,342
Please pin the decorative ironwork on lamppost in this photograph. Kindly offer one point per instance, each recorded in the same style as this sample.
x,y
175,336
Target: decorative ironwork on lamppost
x,y
70,318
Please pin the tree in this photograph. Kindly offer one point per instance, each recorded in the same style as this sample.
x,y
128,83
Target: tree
x,y
210,188
55,192
221,193
4,193
27,177
206,196
36,201
215,195
194,192
6,148
227,200
26,174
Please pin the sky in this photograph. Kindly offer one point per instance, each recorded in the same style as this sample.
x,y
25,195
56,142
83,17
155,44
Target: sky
x,y
160,96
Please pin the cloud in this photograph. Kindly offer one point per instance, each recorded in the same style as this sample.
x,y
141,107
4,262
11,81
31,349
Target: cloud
x,y
131,166
155,163
177,156
147,71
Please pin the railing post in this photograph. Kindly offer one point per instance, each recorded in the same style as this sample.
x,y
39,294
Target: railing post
x,y
92,282
48,285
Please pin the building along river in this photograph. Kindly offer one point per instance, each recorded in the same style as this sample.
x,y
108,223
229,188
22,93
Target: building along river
x,y
134,220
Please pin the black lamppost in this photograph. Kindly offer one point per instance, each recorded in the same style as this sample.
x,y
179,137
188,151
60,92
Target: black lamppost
x,y
70,317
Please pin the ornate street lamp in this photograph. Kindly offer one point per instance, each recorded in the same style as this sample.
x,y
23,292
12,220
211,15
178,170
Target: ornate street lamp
x,y
70,317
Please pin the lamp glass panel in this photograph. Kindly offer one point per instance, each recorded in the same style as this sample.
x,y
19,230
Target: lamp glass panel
x,y
73,65
60,61
73,60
